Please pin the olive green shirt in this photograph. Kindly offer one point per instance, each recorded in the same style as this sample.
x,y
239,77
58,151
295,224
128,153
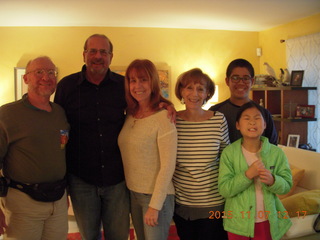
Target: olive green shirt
x,y
32,142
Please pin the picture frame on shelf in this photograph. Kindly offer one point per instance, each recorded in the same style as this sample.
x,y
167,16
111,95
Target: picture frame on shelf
x,y
19,84
293,140
305,111
296,78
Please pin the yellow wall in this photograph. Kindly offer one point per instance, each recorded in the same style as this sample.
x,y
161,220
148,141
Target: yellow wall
x,y
274,52
178,49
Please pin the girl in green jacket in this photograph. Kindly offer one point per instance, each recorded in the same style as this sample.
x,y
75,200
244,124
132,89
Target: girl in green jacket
x,y
252,173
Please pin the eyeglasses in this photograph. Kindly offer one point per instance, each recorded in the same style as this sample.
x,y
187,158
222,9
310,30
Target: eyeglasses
x,y
40,73
93,51
236,79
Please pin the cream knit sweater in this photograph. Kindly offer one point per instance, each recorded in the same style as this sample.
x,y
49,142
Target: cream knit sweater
x,y
148,149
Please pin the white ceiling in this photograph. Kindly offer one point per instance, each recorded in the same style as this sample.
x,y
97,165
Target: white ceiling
x,y
241,15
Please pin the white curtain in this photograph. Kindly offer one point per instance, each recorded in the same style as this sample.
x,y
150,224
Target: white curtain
x,y
303,53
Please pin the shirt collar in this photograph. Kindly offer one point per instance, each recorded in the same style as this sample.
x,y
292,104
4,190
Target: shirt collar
x,y
83,76
27,103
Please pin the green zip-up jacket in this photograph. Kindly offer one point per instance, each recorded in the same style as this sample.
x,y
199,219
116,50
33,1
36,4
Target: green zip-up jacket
x,y
239,191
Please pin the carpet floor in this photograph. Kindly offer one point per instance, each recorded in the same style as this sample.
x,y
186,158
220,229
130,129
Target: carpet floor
x,y
172,235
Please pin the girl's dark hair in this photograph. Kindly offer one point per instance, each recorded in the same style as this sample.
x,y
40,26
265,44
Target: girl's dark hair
x,y
248,105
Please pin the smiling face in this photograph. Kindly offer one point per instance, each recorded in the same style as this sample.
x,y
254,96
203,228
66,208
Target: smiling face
x,y
251,123
239,90
140,86
97,55
41,77
194,95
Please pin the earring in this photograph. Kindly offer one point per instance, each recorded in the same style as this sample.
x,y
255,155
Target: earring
x,y
204,102
182,101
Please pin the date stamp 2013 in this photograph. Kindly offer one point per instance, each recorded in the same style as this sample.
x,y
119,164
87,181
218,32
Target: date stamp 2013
x,y
249,214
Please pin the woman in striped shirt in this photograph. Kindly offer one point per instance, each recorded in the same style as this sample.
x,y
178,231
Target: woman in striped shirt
x,y
202,135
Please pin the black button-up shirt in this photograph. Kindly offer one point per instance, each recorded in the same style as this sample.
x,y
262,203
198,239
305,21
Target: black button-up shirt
x,y
96,115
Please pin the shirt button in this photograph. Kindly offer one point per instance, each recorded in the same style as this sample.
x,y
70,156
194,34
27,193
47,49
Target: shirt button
x,y
102,166
98,119
100,134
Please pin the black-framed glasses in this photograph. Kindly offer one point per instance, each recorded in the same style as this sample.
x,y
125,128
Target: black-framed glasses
x,y
93,51
52,73
245,79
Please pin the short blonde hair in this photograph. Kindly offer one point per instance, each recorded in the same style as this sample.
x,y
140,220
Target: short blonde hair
x,y
37,58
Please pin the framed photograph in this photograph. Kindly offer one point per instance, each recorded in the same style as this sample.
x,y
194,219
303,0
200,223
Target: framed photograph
x,y
305,111
163,77
296,78
19,85
293,140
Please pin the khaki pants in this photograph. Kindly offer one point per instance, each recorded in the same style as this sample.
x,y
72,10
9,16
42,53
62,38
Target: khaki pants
x,y
28,219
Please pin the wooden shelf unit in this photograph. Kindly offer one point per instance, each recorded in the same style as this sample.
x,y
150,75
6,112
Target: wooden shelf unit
x,y
282,102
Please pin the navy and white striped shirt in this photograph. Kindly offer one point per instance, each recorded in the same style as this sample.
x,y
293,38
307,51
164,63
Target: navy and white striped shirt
x,y
199,147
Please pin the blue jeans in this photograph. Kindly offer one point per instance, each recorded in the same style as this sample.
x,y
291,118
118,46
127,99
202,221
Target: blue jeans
x,y
94,205
139,206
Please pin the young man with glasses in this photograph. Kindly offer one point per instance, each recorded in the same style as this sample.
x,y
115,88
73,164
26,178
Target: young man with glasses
x,y
240,78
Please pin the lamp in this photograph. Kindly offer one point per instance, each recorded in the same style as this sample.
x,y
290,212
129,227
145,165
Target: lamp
x,y
214,100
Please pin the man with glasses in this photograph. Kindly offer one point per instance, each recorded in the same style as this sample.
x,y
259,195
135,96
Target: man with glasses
x,y
240,78
94,102
33,135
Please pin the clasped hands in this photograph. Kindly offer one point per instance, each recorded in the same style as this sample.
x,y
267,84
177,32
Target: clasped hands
x,y
257,169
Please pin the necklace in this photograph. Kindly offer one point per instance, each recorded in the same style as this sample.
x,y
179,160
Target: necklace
x,y
142,114
139,116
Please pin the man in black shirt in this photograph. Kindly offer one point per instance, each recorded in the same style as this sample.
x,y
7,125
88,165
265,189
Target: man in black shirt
x,y
94,102
240,78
